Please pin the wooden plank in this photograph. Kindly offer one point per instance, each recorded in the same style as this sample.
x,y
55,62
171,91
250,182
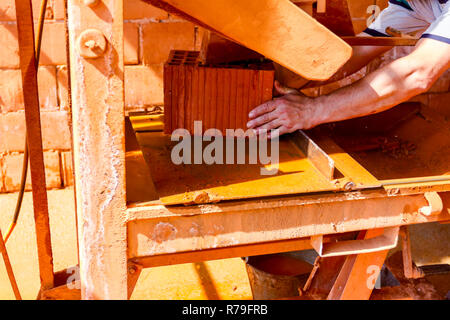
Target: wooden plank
x,y
277,29
28,67
99,150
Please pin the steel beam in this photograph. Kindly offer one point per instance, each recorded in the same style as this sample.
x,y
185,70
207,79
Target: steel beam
x,y
96,72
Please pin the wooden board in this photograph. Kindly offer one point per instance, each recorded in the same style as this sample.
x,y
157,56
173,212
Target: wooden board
x,y
277,29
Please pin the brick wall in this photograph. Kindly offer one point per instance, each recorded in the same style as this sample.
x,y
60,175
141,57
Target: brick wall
x,y
150,34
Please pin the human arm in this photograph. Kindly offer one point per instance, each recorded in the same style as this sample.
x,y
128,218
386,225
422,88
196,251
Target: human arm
x,y
386,87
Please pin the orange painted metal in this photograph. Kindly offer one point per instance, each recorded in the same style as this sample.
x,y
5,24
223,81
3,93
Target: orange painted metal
x,y
28,66
357,277
210,94
277,29
178,184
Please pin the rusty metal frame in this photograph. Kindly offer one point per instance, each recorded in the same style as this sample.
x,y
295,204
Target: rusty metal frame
x,y
111,254
28,67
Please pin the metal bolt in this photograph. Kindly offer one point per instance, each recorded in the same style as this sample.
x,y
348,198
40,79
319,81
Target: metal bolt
x,y
349,186
132,269
91,44
91,3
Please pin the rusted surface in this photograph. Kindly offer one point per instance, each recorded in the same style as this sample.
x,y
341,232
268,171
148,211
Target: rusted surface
x,y
283,35
156,229
8,267
99,151
28,68
417,289
227,92
359,272
222,253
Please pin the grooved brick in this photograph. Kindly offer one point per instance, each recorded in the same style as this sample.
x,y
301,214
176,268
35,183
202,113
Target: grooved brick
x,y
11,97
55,131
138,9
143,85
130,43
13,171
160,38
220,97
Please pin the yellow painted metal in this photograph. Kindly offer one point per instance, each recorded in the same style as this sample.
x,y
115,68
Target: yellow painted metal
x,y
203,183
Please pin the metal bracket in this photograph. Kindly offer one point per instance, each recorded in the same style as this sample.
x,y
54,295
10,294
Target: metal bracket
x,y
387,240
319,158
435,204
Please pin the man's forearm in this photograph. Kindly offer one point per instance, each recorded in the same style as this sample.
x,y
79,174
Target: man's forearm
x,y
379,91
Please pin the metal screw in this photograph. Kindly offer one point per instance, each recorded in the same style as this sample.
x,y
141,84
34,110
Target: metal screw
x,y
132,269
349,186
91,44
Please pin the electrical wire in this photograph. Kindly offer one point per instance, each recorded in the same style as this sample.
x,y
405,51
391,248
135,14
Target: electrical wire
x,y
23,179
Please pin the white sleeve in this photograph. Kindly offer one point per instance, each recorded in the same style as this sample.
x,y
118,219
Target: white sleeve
x,y
440,28
398,15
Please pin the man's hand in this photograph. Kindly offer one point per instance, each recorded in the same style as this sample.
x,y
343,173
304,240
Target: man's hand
x,y
289,112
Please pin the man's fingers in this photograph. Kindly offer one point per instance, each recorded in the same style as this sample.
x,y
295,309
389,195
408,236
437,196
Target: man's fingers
x,y
262,109
265,118
269,125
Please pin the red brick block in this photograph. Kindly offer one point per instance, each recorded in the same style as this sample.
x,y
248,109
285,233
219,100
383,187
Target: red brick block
x,y
138,9
67,168
131,43
55,131
160,38
143,86
220,97
54,10
11,97
13,171
9,57
53,50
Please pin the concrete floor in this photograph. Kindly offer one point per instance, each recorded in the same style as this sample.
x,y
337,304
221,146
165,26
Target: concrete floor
x,y
221,279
